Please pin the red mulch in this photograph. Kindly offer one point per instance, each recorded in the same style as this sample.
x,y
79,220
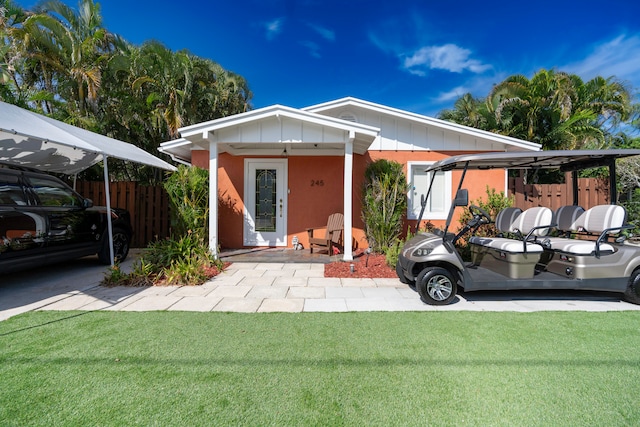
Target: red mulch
x,y
373,268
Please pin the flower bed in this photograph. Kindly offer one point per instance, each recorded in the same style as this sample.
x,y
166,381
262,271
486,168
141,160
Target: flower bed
x,y
370,266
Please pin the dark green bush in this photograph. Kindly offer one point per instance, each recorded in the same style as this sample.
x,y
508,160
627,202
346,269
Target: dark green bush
x,y
384,203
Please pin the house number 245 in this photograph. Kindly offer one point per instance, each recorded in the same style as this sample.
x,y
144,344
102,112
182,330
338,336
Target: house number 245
x,y
317,183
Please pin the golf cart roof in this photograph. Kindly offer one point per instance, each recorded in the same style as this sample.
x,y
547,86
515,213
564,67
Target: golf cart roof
x,y
565,160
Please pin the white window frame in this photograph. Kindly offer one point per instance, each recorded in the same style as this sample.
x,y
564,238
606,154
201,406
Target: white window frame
x,y
411,214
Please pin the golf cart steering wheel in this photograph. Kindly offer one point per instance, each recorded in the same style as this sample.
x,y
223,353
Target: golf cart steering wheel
x,y
480,214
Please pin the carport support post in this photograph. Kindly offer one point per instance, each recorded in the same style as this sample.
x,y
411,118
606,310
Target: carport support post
x,y
213,193
348,195
107,196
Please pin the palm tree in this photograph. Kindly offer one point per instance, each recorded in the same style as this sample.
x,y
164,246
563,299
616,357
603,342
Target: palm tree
x,y
69,50
552,108
12,60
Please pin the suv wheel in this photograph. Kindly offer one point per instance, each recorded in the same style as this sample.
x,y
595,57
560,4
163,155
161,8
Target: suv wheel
x,y
121,242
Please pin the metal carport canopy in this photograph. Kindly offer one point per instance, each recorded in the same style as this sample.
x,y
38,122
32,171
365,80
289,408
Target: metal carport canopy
x,y
35,141
564,160
567,160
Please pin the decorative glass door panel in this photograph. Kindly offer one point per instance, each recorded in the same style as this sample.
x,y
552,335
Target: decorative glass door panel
x,y
265,202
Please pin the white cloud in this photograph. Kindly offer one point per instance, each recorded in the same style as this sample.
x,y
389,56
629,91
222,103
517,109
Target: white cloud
x,y
448,57
617,57
452,94
313,48
274,28
325,33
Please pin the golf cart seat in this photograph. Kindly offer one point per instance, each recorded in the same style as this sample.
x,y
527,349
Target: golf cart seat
x,y
502,224
602,220
566,217
527,226
514,258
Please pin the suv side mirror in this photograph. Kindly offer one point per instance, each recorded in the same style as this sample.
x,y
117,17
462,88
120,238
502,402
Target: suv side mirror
x,y
87,203
462,197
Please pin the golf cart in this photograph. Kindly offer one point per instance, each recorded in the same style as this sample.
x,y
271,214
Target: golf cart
x,y
536,248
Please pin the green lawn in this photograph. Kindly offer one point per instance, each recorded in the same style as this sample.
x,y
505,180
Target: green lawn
x,y
435,368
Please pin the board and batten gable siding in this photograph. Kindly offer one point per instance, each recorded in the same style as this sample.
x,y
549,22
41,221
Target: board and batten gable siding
x,y
413,132
278,130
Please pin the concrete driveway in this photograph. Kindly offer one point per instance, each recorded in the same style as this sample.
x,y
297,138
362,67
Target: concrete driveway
x,y
263,287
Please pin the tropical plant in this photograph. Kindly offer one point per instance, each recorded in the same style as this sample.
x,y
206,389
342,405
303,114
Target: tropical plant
x,y
553,108
185,257
384,203
188,191
62,62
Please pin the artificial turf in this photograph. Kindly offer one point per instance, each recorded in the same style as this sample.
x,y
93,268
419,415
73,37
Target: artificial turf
x,y
427,368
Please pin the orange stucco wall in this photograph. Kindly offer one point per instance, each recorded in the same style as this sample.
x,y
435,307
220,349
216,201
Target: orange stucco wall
x,y
316,190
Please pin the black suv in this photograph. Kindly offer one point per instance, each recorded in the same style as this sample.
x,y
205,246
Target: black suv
x,y
42,220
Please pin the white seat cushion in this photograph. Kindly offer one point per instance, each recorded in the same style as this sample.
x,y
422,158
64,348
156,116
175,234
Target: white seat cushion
x,y
595,220
506,245
580,247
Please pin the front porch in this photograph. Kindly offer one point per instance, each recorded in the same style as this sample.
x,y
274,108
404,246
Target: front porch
x,y
260,164
276,255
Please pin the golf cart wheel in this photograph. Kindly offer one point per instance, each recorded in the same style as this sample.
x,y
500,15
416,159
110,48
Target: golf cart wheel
x,y
121,242
632,294
436,286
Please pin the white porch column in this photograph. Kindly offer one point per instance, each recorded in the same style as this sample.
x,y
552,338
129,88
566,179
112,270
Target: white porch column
x,y
213,193
348,198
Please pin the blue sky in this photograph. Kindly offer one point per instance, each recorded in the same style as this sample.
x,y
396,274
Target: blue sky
x,y
414,55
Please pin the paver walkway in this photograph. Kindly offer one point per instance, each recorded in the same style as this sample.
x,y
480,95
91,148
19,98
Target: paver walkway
x,y
275,287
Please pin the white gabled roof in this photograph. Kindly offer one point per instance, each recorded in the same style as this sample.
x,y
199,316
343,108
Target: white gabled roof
x,y
273,130
355,103
276,111
324,129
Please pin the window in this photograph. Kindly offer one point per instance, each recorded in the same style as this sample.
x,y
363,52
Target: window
x,y
54,193
440,199
11,191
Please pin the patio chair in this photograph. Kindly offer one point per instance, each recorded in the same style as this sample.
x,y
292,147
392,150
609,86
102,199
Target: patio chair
x,y
332,237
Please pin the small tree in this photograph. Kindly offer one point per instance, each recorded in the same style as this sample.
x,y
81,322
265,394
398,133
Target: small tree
x,y
384,203
188,191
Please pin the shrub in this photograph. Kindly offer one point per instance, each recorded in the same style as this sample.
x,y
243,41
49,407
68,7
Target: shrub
x,y
384,203
183,261
632,205
185,258
188,191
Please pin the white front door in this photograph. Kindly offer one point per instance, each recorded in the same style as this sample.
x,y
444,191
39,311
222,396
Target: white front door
x,y
265,196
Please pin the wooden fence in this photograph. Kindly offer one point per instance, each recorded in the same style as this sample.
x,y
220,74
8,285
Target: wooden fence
x,y
591,192
148,205
150,216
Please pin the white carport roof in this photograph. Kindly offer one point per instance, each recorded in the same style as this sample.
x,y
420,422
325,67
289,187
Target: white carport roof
x,y
32,140
35,141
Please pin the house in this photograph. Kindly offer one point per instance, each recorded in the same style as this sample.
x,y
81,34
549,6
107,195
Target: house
x,y
277,171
